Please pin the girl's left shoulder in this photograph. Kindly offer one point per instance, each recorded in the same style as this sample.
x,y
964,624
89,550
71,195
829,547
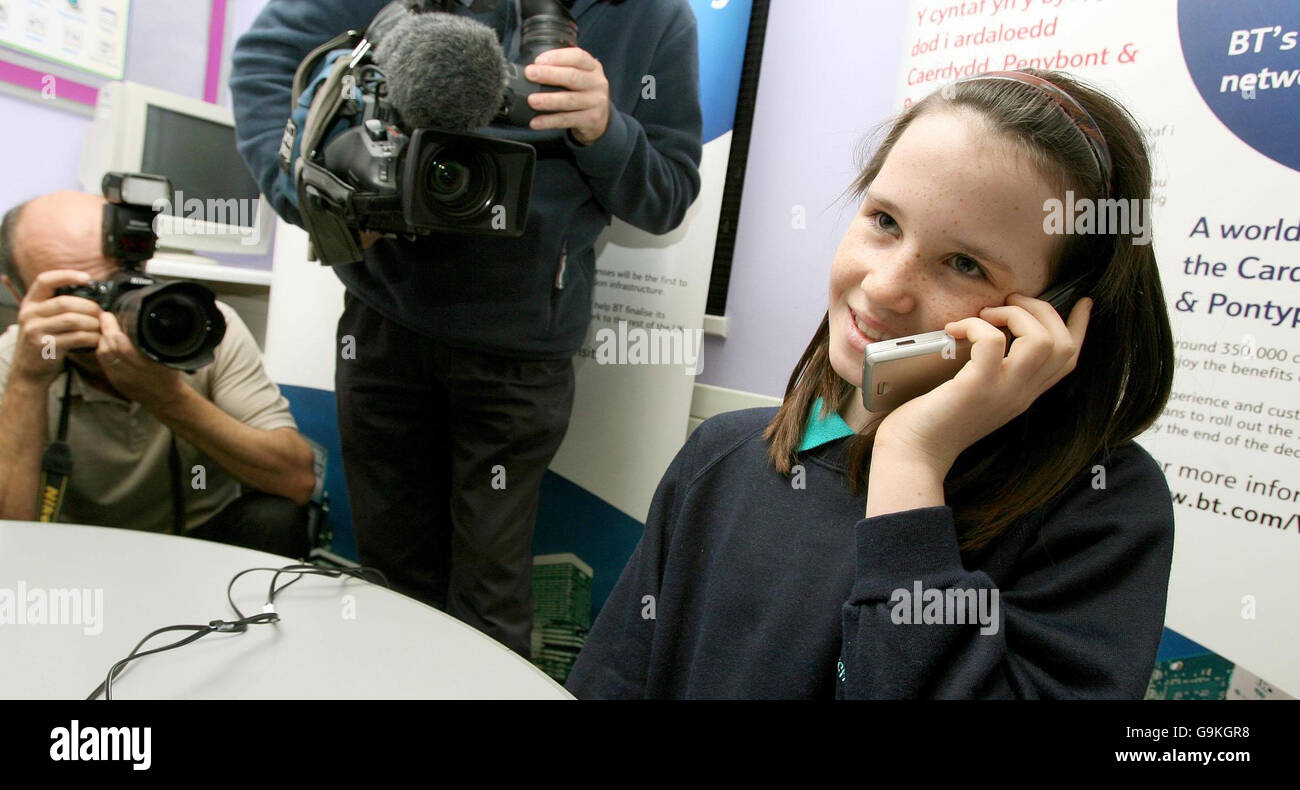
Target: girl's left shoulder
x,y
1121,488
1129,463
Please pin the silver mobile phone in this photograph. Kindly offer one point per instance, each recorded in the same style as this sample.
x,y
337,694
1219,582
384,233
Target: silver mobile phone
x,y
895,371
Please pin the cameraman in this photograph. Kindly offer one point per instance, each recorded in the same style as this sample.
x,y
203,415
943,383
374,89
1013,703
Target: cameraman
x,y
461,385
127,415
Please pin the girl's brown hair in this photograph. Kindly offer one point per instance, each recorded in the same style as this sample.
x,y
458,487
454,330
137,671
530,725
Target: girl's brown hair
x,y
1126,363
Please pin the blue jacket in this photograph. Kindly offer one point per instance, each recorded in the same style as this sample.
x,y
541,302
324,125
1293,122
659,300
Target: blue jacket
x,y
526,297
745,585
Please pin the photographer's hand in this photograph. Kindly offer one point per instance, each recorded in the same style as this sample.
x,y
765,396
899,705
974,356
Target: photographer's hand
x,y
584,108
275,461
49,326
917,443
152,385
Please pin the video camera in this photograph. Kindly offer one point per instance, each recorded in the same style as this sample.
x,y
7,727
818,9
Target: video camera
x,y
380,136
175,323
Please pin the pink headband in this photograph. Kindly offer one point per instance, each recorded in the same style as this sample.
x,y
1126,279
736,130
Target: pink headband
x,y
1082,119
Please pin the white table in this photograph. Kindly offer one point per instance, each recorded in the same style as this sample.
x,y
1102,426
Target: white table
x,y
337,638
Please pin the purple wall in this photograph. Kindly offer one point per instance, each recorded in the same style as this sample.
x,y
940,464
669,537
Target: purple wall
x,y
42,149
166,45
829,70
239,18
167,48
828,76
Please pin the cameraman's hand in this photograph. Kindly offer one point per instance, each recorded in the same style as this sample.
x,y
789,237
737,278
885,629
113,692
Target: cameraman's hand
x,y
49,326
144,381
583,109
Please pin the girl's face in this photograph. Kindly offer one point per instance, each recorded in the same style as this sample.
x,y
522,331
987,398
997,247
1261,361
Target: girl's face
x,y
952,223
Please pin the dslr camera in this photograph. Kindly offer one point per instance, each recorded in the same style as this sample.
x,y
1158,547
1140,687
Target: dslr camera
x,y
356,164
174,323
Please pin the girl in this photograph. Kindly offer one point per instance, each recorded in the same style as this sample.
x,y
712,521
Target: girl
x,y
1016,542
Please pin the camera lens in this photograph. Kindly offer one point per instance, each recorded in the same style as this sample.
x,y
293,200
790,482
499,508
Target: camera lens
x,y
448,180
174,325
460,182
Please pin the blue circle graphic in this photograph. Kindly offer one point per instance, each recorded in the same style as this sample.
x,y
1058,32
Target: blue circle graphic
x,y
723,29
1244,58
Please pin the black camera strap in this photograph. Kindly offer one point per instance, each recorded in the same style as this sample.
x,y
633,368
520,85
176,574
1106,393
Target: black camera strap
x,y
56,467
178,491
56,463
308,65
314,183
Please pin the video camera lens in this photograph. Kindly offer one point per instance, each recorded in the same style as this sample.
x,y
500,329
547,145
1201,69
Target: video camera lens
x,y
460,182
448,179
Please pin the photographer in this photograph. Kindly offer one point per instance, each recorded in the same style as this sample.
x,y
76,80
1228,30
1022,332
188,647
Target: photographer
x,y
460,389
150,445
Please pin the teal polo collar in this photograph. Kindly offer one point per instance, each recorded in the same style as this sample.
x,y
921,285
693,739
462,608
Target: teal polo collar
x,y
821,430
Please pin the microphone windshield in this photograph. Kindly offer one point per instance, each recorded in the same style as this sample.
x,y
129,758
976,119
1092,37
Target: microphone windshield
x,y
443,71
384,21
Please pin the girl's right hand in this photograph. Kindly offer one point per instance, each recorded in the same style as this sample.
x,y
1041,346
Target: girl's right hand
x,y
994,387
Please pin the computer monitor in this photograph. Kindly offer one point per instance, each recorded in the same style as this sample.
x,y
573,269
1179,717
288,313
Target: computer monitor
x,y
216,206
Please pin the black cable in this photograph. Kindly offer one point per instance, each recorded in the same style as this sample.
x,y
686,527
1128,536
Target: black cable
x,y
229,587
301,570
304,570
234,626
215,626
106,687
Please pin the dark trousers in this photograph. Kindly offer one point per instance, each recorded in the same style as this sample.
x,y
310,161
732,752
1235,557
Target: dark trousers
x,y
444,452
261,521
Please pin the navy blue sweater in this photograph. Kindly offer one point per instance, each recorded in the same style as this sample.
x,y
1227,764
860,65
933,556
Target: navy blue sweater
x,y
745,586
527,297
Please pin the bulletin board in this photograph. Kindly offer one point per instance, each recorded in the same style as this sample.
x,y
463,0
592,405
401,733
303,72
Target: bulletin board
x,y
89,35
